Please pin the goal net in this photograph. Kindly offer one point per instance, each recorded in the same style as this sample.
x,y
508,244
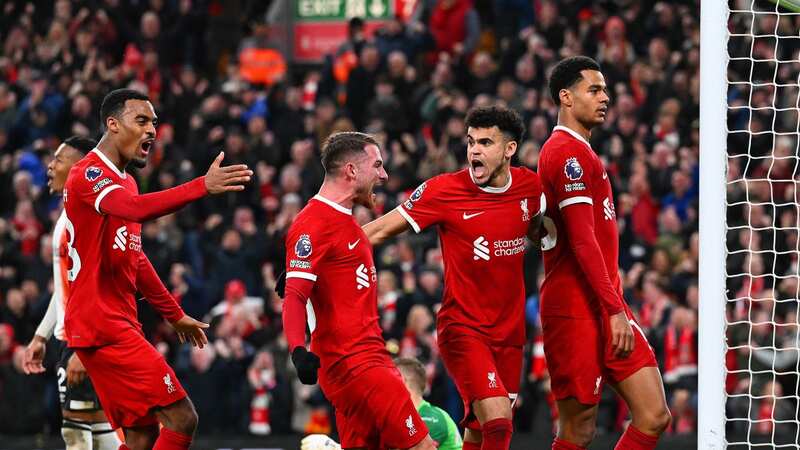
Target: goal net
x,y
760,61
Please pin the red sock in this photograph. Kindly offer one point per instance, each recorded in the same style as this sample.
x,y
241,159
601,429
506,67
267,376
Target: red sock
x,y
471,446
172,440
558,444
634,439
497,434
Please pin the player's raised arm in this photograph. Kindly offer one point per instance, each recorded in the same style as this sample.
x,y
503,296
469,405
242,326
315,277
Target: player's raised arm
x,y
122,203
388,225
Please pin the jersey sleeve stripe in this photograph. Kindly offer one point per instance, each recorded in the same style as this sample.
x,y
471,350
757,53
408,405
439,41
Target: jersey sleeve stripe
x,y
103,195
408,218
574,200
306,275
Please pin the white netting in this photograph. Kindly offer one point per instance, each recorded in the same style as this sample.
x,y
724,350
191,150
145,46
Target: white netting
x,y
763,123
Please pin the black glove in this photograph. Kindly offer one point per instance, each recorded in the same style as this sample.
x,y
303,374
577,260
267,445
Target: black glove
x,y
280,285
307,364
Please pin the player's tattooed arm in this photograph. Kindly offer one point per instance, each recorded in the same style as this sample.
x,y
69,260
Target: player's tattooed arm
x,y
385,227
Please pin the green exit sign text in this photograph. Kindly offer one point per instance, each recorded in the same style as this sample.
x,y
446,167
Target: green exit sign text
x,y
342,9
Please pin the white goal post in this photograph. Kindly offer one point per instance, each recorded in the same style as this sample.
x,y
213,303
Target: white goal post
x,y
711,351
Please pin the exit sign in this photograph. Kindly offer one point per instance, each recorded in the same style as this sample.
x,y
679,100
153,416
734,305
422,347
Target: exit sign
x,y
342,9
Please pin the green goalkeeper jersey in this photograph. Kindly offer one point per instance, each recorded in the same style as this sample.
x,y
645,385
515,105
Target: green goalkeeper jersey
x,y
441,427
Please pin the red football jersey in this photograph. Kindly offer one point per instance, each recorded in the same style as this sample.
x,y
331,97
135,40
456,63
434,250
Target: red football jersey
x,y
483,234
104,255
327,246
572,173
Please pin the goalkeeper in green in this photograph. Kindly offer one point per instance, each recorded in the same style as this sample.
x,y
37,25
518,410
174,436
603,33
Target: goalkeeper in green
x,y
440,426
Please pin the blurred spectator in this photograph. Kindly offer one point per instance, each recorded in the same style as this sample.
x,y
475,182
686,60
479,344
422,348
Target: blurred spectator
x,y
386,108
19,389
233,261
239,312
361,84
188,290
454,25
27,227
17,314
7,343
258,62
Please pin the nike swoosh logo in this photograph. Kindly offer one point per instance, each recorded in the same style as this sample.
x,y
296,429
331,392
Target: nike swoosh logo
x,y
470,216
353,245
605,175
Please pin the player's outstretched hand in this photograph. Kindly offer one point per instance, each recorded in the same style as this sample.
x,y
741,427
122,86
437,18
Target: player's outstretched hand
x,y
34,355
226,179
319,442
76,373
621,335
191,330
307,364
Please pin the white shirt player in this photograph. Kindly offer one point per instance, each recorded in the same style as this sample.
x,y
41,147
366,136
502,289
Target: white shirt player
x,y
53,321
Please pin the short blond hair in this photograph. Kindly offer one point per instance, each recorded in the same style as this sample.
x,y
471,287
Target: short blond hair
x,y
413,371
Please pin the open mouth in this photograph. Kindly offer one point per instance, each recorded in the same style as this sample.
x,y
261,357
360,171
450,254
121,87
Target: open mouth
x,y
371,194
478,168
147,145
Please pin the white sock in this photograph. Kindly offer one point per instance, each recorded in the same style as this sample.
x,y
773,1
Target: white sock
x,y
77,435
104,437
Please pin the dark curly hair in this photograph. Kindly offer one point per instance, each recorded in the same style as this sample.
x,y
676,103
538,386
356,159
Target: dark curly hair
x,y
507,120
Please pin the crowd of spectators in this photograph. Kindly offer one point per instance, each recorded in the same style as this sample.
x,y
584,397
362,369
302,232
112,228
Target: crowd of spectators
x,y
410,84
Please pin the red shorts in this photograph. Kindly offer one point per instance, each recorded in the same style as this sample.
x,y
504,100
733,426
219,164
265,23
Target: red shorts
x,y
580,358
480,369
374,411
130,377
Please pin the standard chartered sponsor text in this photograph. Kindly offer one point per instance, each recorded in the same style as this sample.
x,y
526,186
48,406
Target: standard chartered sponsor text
x,y
509,247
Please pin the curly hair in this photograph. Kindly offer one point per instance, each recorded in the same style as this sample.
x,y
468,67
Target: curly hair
x,y
506,119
